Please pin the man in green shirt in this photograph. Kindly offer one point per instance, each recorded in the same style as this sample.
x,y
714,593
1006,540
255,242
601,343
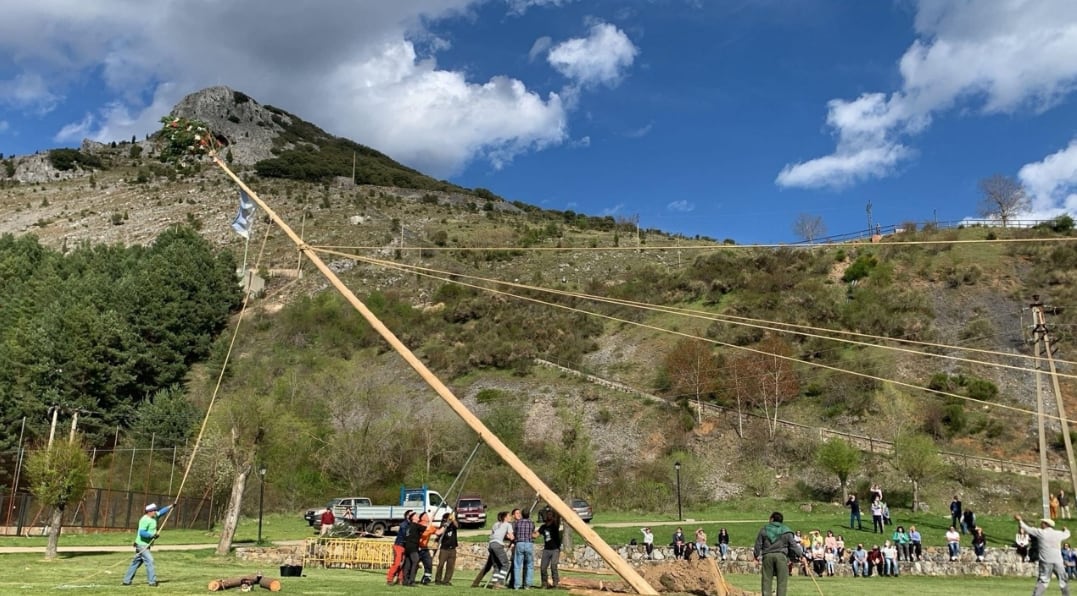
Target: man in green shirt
x,y
147,533
775,547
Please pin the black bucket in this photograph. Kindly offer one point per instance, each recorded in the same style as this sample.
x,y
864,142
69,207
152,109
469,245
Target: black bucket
x,y
291,570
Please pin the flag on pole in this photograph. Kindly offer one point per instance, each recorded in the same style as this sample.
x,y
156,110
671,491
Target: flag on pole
x,y
242,223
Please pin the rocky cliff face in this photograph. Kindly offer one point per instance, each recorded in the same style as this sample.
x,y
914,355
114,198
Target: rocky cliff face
x,y
249,127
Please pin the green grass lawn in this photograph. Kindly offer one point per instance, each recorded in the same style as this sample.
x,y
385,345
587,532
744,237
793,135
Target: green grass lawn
x,y
189,573
741,518
276,526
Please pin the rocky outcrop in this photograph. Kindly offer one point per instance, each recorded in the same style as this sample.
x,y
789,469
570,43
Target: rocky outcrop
x,y
249,127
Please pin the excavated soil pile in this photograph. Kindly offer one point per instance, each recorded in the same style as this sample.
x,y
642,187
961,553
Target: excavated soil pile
x,y
688,577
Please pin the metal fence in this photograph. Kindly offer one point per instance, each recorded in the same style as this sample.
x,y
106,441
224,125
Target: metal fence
x,y
102,509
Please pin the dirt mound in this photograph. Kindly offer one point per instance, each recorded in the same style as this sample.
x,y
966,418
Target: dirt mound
x,y
691,577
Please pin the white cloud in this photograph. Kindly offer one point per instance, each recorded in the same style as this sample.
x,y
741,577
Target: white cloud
x,y
1052,183
613,210
681,206
992,57
539,47
4,125
420,107
641,131
28,91
600,58
76,131
352,67
518,7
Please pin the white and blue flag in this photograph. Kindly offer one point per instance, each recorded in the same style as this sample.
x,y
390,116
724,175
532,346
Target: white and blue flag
x,y
242,223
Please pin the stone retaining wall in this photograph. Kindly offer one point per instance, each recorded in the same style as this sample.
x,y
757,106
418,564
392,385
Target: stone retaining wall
x,y
472,555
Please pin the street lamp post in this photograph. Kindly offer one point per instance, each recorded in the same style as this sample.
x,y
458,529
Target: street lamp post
x,y
261,499
677,467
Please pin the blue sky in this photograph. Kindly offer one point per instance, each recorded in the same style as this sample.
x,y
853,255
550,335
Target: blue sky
x,y
720,118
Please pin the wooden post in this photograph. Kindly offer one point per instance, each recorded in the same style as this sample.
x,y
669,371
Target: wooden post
x,y
610,556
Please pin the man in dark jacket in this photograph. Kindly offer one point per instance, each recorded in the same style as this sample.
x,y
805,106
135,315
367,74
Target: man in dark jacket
x,y
854,512
447,550
775,546
396,570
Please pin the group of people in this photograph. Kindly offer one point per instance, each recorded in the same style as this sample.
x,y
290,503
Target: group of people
x,y
511,550
880,511
413,546
683,548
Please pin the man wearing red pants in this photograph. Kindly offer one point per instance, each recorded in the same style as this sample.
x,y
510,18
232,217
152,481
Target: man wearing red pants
x,y
396,570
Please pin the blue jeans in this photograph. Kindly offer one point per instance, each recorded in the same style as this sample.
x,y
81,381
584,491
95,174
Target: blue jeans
x,y
860,568
954,548
890,567
855,517
702,549
143,556
724,549
524,564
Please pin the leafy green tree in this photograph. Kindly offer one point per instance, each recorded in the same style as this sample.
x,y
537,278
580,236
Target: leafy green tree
x,y
840,458
166,420
916,456
58,477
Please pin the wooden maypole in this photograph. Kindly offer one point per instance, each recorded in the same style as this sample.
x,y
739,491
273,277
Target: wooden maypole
x,y
619,565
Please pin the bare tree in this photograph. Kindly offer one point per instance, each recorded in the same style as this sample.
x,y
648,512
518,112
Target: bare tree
x,y
737,386
809,227
1003,198
775,379
693,370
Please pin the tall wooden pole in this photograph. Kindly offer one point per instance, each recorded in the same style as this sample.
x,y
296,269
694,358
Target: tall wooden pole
x,y
1044,487
1040,322
619,565
1045,490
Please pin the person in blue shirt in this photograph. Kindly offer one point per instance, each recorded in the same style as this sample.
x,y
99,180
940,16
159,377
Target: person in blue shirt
x,y
147,533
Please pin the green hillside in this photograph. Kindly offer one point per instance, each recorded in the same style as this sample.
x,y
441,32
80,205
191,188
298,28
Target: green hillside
x,y
482,290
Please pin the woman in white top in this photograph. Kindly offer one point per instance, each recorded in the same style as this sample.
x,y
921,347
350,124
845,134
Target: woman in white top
x,y
1022,542
953,542
890,553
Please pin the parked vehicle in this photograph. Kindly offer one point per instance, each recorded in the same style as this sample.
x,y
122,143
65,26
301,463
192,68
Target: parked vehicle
x,y
378,519
339,506
580,506
471,511
582,509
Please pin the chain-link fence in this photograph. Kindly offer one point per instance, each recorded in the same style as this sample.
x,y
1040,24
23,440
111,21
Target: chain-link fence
x,y
102,509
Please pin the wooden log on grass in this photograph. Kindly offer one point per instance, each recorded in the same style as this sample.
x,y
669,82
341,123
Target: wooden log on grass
x,y
578,585
268,583
234,582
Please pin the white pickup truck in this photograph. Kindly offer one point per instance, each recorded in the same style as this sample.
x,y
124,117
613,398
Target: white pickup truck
x,y
340,506
378,519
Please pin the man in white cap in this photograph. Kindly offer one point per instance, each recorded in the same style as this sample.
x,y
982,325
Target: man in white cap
x,y
147,533
1050,544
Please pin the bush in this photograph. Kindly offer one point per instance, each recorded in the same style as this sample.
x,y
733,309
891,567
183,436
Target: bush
x,y
861,268
68,159
1063,224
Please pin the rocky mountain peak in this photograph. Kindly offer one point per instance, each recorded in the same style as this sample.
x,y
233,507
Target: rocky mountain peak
x,y
249,127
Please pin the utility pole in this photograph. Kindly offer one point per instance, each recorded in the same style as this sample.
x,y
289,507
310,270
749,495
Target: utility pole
x,y
74,424
1042,338
55,411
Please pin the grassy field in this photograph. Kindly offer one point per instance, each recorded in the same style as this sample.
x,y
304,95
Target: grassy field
x,y
742,519
189,572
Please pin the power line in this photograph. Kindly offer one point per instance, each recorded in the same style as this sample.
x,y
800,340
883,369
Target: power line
x,y
422,272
